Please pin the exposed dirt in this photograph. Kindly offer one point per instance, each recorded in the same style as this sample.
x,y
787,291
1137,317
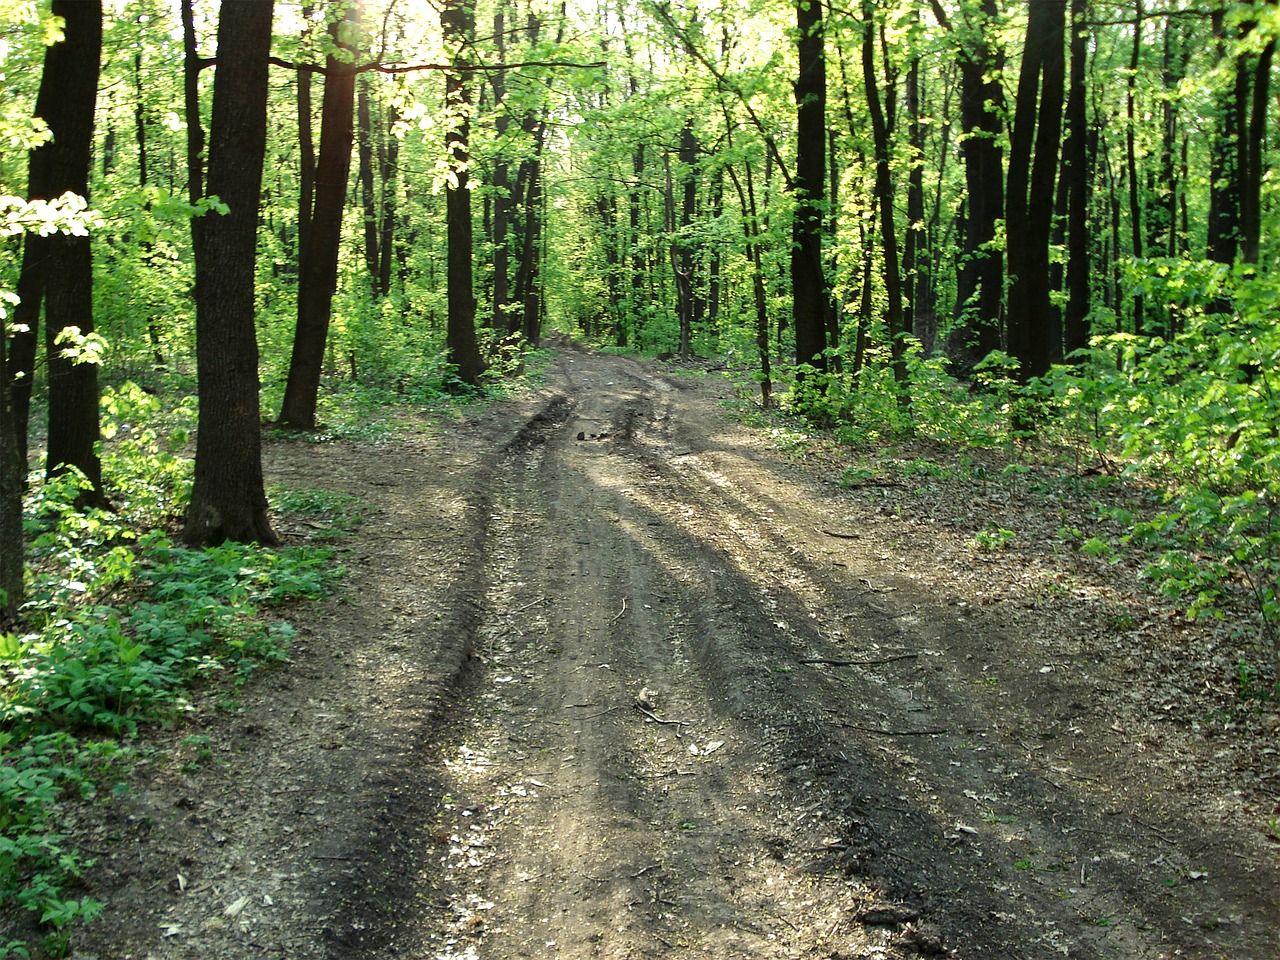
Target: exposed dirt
x,y
613,675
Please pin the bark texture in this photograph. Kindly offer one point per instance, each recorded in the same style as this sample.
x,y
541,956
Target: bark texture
x,y
228,501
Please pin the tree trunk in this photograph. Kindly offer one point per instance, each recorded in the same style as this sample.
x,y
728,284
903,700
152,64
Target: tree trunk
x,y
1253,174
1076,180
191,67
1131,159
809,287
1224,167
228,501
369,200
1030,194
980,283
458,19
12,469
389,166
318,269
884,199
68,95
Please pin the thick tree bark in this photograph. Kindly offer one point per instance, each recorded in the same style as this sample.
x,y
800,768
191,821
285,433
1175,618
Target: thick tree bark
x,y
809,286
458,18
1030,192
318,269
66,101
228,501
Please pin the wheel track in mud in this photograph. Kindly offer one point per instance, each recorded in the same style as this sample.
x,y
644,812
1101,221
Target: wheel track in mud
x,y
751,604
505,795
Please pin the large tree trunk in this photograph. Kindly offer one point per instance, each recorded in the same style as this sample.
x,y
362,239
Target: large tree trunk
x,y
68,95
809,286
980,283
458,18
1030,193
318,269
228,501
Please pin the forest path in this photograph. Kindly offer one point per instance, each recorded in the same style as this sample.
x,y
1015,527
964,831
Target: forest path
x,y
616,678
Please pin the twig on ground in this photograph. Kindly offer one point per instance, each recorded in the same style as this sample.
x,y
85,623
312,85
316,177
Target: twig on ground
x,y
656,719
859,663
932,731
620,612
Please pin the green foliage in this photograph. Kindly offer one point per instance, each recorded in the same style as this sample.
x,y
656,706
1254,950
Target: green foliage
x,y
120,624
1197,414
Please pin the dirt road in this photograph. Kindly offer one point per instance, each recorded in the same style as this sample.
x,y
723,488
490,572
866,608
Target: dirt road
x,y
616,677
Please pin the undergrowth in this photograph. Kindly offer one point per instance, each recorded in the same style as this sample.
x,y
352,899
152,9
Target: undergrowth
x,y
1194,418
121,624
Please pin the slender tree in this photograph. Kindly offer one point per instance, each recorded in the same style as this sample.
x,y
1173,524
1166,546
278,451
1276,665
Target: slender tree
x,y
1075,180
458,19
11,485
884,194
228,500
980,281
811,290
318,264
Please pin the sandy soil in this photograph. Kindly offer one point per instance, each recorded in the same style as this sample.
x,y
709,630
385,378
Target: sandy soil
x,y
614,675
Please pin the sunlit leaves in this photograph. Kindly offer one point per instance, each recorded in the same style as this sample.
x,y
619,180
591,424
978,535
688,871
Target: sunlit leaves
x,y
69,214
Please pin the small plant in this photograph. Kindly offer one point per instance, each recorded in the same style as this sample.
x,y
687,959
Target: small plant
x,y
993,538
851,477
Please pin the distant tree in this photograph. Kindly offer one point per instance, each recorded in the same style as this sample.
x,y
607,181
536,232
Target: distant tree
x,y
458,19
980,279
228,499
811,289
318,259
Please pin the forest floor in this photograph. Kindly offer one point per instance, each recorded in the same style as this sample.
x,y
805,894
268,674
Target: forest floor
x,y
615,674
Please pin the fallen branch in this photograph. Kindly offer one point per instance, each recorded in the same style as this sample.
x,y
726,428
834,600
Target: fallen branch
x,y
860,663
656,719
893,733
620,612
